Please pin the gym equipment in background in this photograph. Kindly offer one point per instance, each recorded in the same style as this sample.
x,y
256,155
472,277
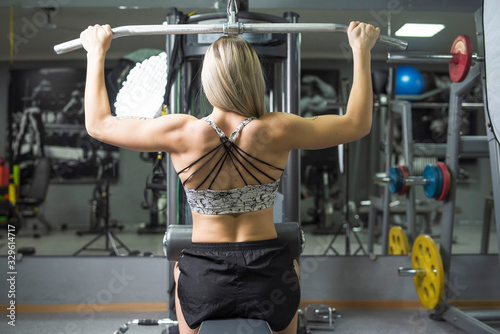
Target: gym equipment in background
x,y
427,271
100,213
430,265
436,180
398,241
28,202
409,81
459,61
155,182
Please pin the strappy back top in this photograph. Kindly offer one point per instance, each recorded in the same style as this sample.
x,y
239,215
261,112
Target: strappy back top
x,y
244,199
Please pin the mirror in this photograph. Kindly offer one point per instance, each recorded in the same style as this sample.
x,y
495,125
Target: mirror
x,y
71,208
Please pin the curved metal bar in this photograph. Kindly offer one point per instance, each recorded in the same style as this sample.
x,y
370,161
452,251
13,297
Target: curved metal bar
x,y
137,30
141,30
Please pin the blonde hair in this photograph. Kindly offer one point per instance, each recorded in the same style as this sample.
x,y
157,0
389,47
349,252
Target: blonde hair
x,y
232,77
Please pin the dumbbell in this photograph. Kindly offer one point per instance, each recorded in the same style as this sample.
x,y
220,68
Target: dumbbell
x,y
436,180
459,60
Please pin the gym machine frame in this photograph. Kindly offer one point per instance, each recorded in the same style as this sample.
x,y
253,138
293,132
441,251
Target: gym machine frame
x,y
404,108
455,316
470,147
451,314
291,176
290,82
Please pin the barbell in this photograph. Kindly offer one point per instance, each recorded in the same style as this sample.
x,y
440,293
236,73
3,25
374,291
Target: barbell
x,y
236,28
427,272
459,60
436,180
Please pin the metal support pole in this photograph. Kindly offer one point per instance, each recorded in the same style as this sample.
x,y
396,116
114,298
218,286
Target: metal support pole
x,y
291,176
388,161
484,315
172,209
466,322
495,176
494,147
372,217
485,235
452,156
406,120
172,178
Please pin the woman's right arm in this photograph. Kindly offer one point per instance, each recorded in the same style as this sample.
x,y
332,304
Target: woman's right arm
x,y
164,133
292,131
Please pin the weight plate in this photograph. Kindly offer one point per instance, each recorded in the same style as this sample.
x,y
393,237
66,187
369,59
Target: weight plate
x,y
460,65
446,181
398,242
439,181
396,180
404,173
430,175
430,287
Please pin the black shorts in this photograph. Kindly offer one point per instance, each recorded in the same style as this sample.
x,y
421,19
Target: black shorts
x,y
254,280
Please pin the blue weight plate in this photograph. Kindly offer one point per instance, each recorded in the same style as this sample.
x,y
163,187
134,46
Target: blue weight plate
x,y
431,175
396,180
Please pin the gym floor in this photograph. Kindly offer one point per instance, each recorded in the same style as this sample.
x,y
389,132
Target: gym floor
x,y
352,321
66,242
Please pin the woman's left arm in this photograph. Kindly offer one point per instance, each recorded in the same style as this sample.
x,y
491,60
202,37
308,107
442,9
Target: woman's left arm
x,y
135,133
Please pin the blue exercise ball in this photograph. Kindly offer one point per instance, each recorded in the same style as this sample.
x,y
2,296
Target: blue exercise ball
x,y
409,81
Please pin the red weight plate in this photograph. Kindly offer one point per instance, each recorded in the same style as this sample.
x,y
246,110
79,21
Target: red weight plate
x,y
446,181
460,65
404,172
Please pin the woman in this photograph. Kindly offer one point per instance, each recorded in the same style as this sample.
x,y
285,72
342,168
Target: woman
x,y
235,267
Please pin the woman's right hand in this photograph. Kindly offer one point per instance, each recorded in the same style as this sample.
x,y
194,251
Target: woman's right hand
x,y
362,36
97,39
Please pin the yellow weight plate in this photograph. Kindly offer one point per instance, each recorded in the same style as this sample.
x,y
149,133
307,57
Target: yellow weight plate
x,y
430,287
398,242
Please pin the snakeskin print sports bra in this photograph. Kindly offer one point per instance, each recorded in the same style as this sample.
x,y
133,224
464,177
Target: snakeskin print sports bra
x,y
245,199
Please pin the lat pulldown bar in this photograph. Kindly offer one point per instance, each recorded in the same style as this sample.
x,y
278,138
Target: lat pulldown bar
x,y
236,28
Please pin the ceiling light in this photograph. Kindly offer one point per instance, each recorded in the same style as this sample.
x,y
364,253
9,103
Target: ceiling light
x,y
419,30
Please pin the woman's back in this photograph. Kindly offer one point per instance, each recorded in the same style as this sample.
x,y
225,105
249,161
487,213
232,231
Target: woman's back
x,y
253,160
230,181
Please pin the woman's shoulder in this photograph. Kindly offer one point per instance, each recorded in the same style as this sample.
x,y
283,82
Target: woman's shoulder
x,y
279,120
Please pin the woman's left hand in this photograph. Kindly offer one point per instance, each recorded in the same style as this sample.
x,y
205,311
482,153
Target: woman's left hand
x,y
97,39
